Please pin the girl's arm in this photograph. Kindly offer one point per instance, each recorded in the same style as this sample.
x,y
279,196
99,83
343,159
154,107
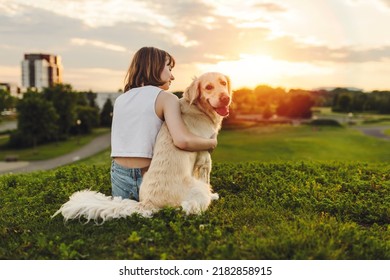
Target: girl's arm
x,y
168,107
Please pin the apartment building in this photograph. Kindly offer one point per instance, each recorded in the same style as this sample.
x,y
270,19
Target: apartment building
x,y
12,88
41,70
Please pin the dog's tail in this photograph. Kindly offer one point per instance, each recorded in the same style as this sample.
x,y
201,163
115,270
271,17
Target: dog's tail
x,y
96,206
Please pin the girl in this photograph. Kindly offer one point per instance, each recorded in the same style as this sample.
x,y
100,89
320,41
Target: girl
x,y
137,118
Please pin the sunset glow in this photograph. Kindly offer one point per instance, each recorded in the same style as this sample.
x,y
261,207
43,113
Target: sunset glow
x,y
334,43
252,70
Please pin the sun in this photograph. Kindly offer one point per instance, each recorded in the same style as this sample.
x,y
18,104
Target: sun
x,y
247,71
251,70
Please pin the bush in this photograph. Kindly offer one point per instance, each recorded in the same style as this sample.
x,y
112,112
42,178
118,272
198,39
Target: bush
x,y
325,122
18,140
378,120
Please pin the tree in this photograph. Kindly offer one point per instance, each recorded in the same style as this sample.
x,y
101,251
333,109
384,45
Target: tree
x,y
37,121
268,96
88,118
243,101
6,100
106,113
267,113
283,108
383,101
64,100
91,98
300,105
344,103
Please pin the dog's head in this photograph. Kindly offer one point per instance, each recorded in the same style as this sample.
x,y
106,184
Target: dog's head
x,y
211,93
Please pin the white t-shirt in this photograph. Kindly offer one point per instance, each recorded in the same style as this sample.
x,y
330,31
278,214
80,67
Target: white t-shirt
x,y
135,124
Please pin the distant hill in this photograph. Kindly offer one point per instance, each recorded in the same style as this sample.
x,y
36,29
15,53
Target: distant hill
x,y
332,88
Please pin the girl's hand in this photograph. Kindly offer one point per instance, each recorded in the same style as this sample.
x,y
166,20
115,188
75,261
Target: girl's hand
x,y
213,137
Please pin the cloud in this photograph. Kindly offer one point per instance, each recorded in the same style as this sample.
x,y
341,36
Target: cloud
x,y
386,3
196,29
100,34
270,7
33,30
96,43
92,13
288,48
179,12
219,34
101,77
10,74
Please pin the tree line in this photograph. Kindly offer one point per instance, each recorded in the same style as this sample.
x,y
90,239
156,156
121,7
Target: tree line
x,y
58,112
297,103
268,102
55,114
345,100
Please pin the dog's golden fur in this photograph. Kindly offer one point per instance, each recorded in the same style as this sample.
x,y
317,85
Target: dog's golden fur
x,y
175,178
180,178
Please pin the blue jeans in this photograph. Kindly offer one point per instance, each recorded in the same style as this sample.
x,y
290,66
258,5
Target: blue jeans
x,y
125,182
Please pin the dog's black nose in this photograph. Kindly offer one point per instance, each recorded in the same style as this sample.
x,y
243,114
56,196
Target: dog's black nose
x,y
224,99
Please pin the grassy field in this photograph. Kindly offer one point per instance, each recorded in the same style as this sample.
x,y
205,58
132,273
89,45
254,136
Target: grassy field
x,y
285,193
357,118
51,150
262,143
265,211
286,143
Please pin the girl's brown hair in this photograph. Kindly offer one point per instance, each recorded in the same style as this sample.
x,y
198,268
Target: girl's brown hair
x,y
146,67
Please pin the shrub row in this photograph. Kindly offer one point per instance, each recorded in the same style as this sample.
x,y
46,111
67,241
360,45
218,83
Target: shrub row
x,y
265,211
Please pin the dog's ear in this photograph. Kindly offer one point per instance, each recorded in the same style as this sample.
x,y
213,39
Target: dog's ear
x,y
229,84
192,92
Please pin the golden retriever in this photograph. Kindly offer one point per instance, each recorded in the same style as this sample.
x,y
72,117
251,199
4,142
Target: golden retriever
x,y
175,178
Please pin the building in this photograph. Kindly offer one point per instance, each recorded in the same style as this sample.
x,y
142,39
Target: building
x,y
41,70
12,88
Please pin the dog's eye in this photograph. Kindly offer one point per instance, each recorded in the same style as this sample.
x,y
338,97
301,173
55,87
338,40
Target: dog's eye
x,y
223,83
209,87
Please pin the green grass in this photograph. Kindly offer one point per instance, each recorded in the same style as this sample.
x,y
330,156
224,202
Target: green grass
x,y
357,118
265,211
101,158
51,150
285,193
286,143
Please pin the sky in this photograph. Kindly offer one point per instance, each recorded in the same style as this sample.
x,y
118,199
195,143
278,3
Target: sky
x,y
305,44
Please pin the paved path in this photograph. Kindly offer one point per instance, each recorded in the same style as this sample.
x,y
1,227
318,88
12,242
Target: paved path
x,y
4,126
102,142
98,144
375,131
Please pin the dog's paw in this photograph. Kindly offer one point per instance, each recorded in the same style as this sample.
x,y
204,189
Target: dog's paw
x,y
147,213
191,207
214,196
